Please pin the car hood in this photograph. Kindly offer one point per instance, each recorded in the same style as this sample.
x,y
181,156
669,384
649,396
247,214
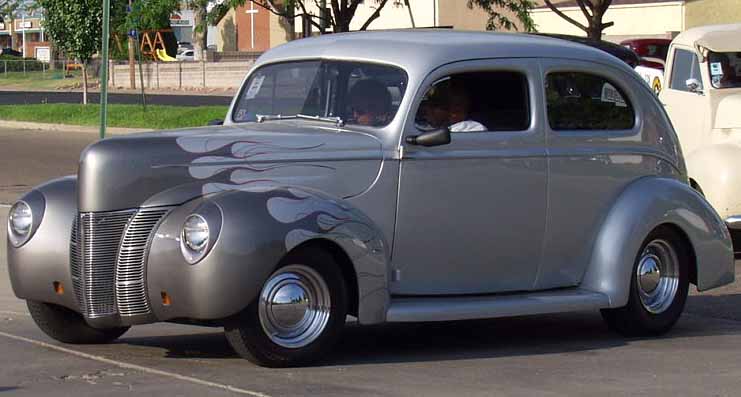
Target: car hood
x,y
168,168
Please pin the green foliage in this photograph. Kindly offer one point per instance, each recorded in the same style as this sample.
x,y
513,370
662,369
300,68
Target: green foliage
x,y
16,64
75,26
498,20
127,116
149,15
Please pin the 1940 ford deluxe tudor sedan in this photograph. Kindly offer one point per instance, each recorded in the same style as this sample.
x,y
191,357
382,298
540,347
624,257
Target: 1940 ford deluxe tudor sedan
x,y
392,176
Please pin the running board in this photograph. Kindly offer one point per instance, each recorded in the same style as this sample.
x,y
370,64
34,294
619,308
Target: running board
x,y
411,309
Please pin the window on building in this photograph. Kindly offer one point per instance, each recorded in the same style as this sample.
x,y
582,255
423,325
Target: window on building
x,y
476,102
583,101
685,67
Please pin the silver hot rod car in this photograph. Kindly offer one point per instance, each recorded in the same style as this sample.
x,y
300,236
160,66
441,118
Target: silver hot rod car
x,y
391,176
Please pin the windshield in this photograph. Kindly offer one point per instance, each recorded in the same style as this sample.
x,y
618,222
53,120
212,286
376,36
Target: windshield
x,y
358,93
725,69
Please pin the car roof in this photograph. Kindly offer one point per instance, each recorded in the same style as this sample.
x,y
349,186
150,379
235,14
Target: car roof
x,y
425,49
625,54
721,38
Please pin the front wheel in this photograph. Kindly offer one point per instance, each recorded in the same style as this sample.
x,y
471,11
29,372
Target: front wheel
x,y
658,287
68,326
298,316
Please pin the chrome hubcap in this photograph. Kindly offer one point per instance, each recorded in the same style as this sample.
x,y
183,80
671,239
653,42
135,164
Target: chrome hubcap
x,y
294,306
657,276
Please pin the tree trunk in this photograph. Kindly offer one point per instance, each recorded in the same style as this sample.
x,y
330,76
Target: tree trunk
x,y
84,82
200,33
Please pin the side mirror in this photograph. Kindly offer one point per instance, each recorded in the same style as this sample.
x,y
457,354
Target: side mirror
x,y
694,85
432,138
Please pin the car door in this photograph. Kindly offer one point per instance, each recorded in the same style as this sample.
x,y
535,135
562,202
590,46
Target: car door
x,y
688,110
471,214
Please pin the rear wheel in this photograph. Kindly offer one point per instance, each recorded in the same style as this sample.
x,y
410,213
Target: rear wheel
x,y
68,326
658,288
298,316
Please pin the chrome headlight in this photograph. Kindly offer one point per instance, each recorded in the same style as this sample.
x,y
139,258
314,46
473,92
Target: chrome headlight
x,y
25,217
195,238
20,221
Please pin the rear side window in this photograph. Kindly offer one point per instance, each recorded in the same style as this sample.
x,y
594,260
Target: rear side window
x,y
583,101
685,67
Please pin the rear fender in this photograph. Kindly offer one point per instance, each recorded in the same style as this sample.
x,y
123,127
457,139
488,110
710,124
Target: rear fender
x,y
641,207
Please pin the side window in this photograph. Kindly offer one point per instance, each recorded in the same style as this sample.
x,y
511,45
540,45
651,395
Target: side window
x,y
583,101
685,67
476,102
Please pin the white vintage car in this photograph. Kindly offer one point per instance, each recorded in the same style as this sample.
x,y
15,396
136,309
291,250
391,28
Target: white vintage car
x,y
703,99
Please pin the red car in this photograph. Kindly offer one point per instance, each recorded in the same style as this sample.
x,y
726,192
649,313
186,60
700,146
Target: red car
x,y
651,51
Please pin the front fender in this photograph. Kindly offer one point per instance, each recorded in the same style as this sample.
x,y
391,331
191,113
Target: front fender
x,y
641,207
44,259
259,227
717,170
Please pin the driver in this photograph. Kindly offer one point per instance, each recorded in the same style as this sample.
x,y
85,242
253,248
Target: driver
x,y
370,103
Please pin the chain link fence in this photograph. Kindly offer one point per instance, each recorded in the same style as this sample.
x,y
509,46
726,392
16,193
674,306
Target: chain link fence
x,y
176,75
34,71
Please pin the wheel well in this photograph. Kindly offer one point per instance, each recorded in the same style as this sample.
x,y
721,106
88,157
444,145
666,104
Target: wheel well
x,y
696,186
687,244
346,266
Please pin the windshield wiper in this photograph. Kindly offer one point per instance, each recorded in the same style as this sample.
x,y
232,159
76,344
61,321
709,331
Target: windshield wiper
x,y
267,117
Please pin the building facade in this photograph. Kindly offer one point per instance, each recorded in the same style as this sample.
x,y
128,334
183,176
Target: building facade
x,y
23,33
641,18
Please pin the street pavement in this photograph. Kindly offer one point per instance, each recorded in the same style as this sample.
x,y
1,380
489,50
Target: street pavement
x,y
571,354
36,97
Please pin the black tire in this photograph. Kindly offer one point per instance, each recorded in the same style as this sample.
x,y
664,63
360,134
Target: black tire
x,y
67,326
634,319
248,338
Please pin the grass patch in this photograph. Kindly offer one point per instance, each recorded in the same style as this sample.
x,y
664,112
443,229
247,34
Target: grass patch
x,y
127,116
50,80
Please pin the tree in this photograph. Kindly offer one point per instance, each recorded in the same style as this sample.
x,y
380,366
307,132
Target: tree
x,y
75,27
497,19
593,10
338,20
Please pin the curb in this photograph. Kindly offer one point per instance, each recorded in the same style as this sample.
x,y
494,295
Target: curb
x,y
27,125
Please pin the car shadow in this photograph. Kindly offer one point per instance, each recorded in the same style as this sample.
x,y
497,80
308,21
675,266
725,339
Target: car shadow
x,y
583,332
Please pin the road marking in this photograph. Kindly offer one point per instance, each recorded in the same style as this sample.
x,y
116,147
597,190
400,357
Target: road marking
x,y
14,313
135,367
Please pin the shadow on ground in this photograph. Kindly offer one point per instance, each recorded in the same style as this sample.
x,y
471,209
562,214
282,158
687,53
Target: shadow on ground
x,y
582,332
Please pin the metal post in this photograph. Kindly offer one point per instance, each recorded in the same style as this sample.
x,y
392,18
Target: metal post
x,y
141,74
112,68
157,68
203,66
180,75
24,66
104,72
5,63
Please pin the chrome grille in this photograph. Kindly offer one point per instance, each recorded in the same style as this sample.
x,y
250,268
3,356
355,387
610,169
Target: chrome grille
x,y
131,290
100,234
75,259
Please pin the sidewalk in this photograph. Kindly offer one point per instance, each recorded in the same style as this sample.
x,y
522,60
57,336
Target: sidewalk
x,y
24,125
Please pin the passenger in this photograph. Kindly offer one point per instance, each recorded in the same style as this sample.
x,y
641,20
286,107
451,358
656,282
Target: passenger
x,y
459,106
370,103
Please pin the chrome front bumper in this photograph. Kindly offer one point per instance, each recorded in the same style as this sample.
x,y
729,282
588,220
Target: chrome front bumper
x,y
734,226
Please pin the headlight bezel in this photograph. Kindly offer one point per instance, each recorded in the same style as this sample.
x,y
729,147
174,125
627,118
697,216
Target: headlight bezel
x,y
210,215
36,205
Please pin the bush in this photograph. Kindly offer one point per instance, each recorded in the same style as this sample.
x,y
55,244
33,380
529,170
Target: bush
x,y
15,64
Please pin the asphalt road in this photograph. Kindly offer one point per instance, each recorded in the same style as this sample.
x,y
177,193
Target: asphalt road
x,y
32,97
553,355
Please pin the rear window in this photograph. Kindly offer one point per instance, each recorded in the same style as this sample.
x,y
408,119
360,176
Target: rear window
x,y
583,101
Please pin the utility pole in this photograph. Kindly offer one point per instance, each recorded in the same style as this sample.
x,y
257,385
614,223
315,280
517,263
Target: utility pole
x,y
132,56
104,67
